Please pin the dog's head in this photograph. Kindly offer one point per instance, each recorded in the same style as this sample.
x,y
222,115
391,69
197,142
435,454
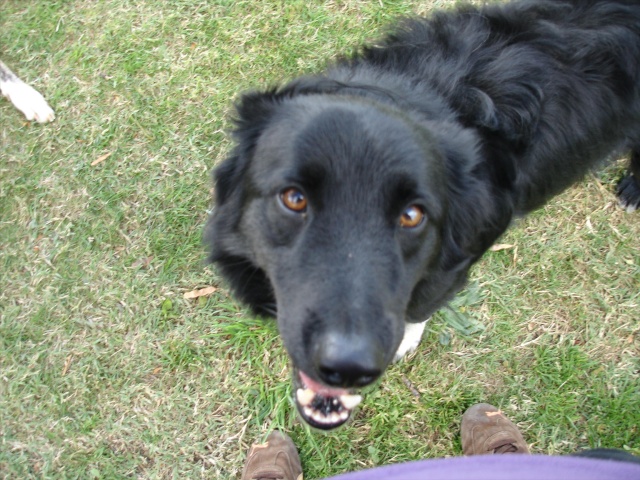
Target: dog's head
x,y
334,212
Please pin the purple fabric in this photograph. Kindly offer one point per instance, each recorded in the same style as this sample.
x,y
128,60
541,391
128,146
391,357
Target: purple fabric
x,y
503,467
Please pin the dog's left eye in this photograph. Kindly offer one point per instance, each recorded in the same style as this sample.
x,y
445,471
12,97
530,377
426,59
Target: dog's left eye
x,y
294,200
412,217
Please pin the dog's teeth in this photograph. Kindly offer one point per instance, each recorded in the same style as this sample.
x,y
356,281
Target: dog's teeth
x,y
305,396
350,401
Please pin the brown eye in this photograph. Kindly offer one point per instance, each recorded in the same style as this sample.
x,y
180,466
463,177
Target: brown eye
x,y
412,217
294,200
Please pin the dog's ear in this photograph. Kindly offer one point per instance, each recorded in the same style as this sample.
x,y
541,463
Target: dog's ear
x,y
254,110
480,206
226,245
476,214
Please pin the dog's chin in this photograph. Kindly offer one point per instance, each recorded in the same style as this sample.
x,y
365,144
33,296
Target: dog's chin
x,y
320,406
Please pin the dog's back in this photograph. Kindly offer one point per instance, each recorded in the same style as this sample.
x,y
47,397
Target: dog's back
x,y
539,80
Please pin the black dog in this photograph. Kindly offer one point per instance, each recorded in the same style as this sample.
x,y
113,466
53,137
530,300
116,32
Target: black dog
x,y
358,199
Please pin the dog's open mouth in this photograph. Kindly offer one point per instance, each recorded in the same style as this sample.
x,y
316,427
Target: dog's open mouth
x,y
321,406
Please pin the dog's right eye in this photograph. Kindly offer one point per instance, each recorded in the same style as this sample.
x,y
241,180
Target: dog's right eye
x,y
412,217
294,200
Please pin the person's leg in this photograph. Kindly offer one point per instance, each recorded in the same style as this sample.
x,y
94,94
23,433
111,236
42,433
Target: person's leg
x,y
276,459
485,430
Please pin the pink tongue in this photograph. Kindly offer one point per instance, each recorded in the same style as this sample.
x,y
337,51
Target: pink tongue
x,y
318,388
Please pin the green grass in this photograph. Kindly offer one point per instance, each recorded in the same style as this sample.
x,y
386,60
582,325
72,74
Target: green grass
x,y
106,371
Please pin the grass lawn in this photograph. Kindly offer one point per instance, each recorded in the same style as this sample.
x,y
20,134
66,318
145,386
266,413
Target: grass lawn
x,y
107,371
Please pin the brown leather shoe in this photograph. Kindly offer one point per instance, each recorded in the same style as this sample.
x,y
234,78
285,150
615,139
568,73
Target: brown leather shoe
x,y
277,459
485,430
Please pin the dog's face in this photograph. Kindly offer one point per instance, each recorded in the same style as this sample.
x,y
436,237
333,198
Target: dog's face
x,y
333,211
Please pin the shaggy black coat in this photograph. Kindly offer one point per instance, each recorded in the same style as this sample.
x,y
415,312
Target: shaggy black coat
x,y
470,118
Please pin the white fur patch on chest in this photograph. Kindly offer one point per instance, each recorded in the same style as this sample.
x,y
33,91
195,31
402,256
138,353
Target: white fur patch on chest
x,y
411,340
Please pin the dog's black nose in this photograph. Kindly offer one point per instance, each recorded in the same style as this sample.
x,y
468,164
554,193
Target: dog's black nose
x,y
348,361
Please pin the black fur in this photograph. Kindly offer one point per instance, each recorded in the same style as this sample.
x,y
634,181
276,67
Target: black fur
x,y
475,115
